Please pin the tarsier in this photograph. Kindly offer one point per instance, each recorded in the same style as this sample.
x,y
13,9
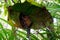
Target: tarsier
x,y
36,15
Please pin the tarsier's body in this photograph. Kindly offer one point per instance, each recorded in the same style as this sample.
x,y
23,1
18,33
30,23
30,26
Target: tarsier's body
x,y
35,17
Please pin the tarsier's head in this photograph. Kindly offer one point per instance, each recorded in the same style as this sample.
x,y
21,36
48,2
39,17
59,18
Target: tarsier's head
x,y
25,20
